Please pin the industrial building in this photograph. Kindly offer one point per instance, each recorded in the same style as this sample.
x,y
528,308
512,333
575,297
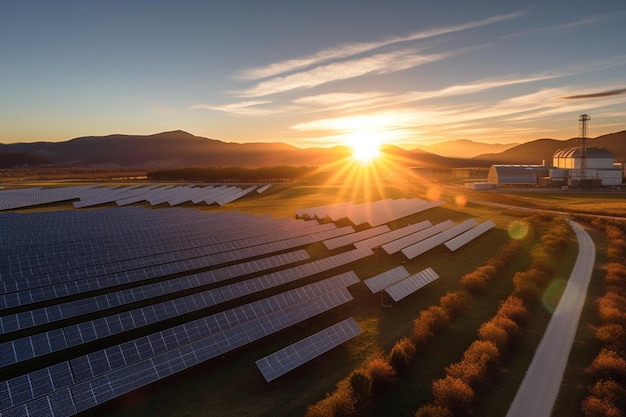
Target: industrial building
x,y
582,166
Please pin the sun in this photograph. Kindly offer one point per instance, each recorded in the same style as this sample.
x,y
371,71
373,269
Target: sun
x,y
365,149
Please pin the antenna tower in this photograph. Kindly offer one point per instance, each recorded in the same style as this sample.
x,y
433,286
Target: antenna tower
x,y
584,118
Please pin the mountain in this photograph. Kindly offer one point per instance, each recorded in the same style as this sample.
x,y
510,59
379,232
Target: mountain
x,y
541,150
14,160
465,148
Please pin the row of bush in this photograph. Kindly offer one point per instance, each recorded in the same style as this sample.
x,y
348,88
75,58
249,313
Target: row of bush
x,y
607,395
456,393
379,373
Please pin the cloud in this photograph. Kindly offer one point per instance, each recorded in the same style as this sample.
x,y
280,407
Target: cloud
x,y
247,108
375,64
596,95
352,49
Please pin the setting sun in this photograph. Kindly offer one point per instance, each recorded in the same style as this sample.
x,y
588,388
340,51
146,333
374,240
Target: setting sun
x,y
365,150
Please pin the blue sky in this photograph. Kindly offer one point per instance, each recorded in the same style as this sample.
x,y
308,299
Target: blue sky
x,y
312,73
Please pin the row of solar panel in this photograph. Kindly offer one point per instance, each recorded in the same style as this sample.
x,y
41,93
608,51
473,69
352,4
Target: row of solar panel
x,y
373,213
53,340
91,195
81,285
131,248
105,371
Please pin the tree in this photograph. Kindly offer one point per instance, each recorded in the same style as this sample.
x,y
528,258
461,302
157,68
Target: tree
x,y
401,355
454,394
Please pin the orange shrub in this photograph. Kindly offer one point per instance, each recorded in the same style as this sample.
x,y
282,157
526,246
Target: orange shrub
x,y
507,324
514,309
596,407
611,391
382,374
453,393
454,303
492,332
401,355
612,308
339,404
612,336
608,364
431,410
483,352
472,373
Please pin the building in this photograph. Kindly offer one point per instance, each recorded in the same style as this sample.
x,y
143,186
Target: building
x,y
516,175
597,168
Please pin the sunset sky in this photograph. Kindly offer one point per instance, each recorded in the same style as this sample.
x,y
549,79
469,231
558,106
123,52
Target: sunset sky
x,y
313,73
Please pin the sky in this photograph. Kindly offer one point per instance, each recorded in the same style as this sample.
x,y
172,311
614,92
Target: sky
x,y
315,73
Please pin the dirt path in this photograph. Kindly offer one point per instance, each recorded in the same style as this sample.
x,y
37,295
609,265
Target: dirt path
x,y
540,387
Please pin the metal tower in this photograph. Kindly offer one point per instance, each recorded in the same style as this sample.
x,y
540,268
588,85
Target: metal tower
x,y
584,118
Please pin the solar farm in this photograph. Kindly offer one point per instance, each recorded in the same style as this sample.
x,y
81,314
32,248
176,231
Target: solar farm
x,y
99,301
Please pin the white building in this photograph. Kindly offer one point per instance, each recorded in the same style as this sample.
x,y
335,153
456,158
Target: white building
x,y
598,168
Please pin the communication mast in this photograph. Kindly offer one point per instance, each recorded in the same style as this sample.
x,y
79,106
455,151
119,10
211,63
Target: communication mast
x,y
584,118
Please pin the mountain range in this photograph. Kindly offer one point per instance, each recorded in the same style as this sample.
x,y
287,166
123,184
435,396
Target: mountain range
x,y
182,149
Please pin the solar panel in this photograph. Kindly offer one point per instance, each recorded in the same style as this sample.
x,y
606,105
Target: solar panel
x,y
468,236
399,244
354,237
379,240
411,284
297,354
429,243
381,281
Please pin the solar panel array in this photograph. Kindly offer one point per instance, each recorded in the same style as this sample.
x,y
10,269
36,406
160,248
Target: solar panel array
x,y
89,196
301,352
97,303
408,286
466,237
373,213
427,244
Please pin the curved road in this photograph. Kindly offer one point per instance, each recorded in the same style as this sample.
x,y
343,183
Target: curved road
x,y
540,387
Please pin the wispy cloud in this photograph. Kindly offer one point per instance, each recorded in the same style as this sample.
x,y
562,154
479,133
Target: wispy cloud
x,y
247,108
375,64
597,95
352,49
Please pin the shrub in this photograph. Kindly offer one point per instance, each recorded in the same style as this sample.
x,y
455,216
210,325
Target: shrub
x,y
453,393
483,352
431,410
612,308
492,332
507,324
454,303
611,391
608,364
596,407
612,336
339,404
514,309
361,384
472,373
382,374
401,355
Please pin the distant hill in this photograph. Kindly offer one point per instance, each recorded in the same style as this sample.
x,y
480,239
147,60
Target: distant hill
x,y
181,149
540,150
15,160
465,148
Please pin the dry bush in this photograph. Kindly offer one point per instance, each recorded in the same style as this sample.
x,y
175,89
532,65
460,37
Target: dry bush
x,y
492,332
421,334
514,309
473,283
472,373
483,352
401,355
611,391
339,404
597,407
431,410
507,324
382,374
454,303
615,274
553,243
608,364
612,336
429,322
454,394
361,385
612,308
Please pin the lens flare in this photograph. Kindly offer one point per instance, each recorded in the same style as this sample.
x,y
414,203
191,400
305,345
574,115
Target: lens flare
x,y
552,294
460,200
518,229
